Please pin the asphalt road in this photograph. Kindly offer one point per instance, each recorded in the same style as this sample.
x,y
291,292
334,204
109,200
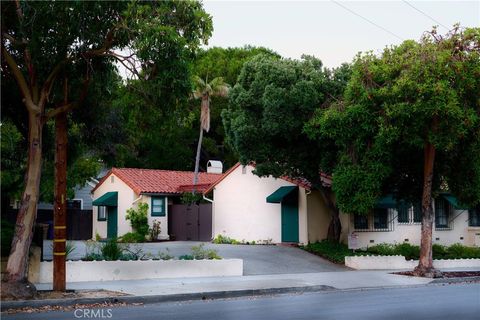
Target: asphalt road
x,y
457,302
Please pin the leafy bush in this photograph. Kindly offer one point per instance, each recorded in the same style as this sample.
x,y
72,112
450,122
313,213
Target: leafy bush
x,y
199,253
155,230
165,255
139,219
411,252
439,251
407,250
186,257
224,240
131,237
457,251
332,251
111,250
7,230
382,249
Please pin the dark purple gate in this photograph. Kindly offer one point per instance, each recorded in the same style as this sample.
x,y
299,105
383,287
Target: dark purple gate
x,y
190,222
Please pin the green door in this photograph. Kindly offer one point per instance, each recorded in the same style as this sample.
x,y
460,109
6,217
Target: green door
x,y
289,221
112,222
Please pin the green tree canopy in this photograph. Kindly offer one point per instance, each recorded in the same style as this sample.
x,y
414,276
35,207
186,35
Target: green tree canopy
x,y
268,110
409,125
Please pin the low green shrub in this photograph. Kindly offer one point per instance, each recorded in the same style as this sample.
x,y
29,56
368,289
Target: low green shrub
x,y
112,250
131,237
139,219
439,251
186,257
458,251
224,240
382,249
407,250
199,253
154,231
165,255
332,251
411,252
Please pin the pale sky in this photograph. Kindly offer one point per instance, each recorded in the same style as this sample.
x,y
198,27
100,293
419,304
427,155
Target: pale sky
x,y
327,30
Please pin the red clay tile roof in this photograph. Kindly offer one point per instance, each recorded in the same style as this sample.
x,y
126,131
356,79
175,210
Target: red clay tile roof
x,y
301,182
161,181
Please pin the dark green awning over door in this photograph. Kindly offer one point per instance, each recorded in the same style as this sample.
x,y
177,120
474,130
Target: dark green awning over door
x,y
281,193
109,199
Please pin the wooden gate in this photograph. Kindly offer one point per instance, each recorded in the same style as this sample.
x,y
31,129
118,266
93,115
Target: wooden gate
x,y
190,222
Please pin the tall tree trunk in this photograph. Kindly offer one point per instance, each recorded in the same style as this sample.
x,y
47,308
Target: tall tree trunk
x,y
60,202
197,159
335,226
15,284
425,264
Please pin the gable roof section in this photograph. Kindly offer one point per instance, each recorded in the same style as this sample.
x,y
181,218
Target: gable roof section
x,y
161,181
301,182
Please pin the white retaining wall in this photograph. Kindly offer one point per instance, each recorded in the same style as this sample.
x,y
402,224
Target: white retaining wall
x,y
399,262
79,271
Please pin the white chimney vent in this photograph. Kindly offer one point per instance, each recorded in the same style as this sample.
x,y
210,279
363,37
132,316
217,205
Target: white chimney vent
x,y
214,166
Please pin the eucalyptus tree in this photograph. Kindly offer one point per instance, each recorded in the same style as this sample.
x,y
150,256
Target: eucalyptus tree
x,y
43,42
410,126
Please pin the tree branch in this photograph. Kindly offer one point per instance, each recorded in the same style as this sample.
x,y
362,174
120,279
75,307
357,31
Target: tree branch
x,y
70,106
22,83
47,86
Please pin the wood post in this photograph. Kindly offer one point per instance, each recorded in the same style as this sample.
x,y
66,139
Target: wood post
x,y
60,203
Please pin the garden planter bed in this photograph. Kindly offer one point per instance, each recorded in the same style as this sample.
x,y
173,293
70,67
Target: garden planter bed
x,y
449,274
79,271
399,262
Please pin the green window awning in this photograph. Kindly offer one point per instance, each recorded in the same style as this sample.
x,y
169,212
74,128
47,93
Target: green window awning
x,y
386,202
281,193
454,201
109,199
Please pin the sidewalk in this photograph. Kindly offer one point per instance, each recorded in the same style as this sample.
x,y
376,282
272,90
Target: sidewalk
x,y
336,280
184,289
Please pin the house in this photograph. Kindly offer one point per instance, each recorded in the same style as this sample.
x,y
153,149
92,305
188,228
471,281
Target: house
x,y
266,209
124,188
251,208
395,222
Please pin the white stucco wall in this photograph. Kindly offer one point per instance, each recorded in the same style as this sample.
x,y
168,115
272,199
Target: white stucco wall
x,y
460,232
125,198
163,220
240,209
302,216
318,217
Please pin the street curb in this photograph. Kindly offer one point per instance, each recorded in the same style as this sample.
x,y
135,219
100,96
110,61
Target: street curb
x,y
162,298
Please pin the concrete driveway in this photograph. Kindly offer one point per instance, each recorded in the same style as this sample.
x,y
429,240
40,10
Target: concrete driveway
x,y
257,259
